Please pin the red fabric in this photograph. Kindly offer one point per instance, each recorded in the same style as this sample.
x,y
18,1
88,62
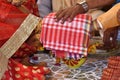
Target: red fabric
x,y
32,6
70,37
18,71
10,20
24,50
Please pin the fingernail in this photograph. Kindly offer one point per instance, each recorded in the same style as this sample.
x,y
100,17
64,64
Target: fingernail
x,y
62,22
55,17
56,20
69,20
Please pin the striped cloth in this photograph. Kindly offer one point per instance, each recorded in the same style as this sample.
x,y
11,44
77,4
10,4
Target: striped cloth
x,y
112,71
71,37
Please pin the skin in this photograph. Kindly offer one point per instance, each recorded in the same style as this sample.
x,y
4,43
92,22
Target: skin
x,y
110,33
70,12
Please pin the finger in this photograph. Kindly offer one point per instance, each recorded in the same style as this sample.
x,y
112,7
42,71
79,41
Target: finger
x,y
65,18
72,16
75,11
111,37
115,34
58,14
106,37
61,15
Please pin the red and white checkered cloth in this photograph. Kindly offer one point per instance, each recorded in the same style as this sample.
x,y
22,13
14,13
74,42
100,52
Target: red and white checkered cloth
x,y
71,37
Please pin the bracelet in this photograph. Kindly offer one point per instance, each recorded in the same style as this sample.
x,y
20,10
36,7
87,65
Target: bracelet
x,y
84,5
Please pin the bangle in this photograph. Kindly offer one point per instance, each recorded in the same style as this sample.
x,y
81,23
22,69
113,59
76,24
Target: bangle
x,y
84,5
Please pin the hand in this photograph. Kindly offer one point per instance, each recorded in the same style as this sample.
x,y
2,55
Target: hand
x,y
69,13
110,38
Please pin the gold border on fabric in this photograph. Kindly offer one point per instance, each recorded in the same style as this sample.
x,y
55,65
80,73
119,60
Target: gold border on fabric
x,y
16,40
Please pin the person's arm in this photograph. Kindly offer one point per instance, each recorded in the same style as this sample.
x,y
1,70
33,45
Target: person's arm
x,y
70,12
99,3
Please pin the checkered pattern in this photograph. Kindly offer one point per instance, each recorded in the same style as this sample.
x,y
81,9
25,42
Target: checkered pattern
x,y
71,37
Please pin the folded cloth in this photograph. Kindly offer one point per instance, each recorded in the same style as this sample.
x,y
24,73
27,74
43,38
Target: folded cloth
x,y
70,37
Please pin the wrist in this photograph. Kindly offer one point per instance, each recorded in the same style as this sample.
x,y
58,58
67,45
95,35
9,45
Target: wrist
x,y
84,5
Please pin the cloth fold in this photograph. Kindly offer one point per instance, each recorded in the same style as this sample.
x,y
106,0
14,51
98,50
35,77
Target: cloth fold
x,y
70,37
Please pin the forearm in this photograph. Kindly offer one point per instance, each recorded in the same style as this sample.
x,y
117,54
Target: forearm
x,y
99,3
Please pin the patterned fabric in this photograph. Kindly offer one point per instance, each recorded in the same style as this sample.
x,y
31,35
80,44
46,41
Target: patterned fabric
x,y
11,20
112,72
17,71
71,37
24,50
